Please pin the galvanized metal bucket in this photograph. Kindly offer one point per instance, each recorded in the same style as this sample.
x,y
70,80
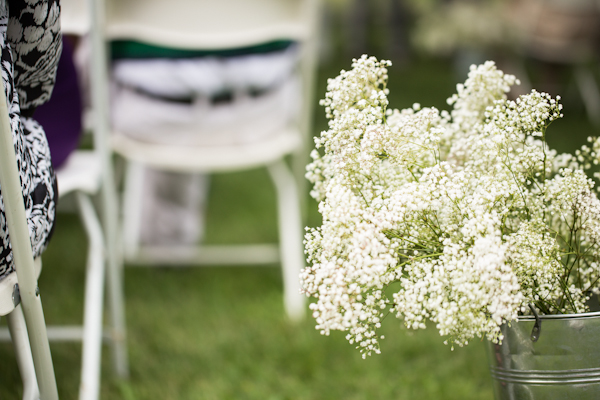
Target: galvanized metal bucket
x,y
548,357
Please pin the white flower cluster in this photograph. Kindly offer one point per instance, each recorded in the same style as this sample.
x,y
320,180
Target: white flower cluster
x,y
462,218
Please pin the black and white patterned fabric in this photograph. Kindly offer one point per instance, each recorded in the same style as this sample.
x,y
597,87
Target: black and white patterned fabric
x,y
35,40
30,46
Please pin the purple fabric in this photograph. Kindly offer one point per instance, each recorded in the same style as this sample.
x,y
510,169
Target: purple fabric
x,y
61,115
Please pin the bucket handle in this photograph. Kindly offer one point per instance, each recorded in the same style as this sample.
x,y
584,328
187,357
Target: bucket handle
x,y
537,327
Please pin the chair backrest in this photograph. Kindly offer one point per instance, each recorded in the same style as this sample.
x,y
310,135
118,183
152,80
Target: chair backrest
x,y
197,24
193,24
226,24
16,222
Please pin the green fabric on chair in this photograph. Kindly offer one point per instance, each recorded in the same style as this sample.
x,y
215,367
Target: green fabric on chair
x,y
132,49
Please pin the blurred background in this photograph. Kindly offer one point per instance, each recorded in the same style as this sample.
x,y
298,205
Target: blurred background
x,y
221,333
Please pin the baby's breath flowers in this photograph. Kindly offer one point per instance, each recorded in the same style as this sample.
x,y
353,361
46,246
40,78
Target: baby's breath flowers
x,y
463,218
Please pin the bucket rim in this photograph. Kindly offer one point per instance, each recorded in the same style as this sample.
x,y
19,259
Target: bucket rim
x,y
560,316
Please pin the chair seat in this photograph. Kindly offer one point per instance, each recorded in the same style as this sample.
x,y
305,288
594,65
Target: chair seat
x,y
82,171
7,287
208,158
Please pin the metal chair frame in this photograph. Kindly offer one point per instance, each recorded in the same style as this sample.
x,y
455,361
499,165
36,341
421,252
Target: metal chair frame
x,y
21,302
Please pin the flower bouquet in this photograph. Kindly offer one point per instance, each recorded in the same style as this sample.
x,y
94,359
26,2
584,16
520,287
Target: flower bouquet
x,y
464,218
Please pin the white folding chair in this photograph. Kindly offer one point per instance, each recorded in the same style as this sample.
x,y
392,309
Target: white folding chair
x,y
87,174
19,295
192,24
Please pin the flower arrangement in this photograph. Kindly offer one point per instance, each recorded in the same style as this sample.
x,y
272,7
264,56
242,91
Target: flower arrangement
x,y
466,218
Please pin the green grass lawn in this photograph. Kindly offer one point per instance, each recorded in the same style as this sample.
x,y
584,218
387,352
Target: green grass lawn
x,y
220,333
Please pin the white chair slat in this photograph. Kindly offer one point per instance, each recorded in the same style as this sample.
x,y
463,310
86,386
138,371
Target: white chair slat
x,y
81,172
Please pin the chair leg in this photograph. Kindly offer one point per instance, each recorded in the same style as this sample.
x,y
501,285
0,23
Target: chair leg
x,y
290,237
116,306
89,387
117,316
130,234
20,339
38,341
132,200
